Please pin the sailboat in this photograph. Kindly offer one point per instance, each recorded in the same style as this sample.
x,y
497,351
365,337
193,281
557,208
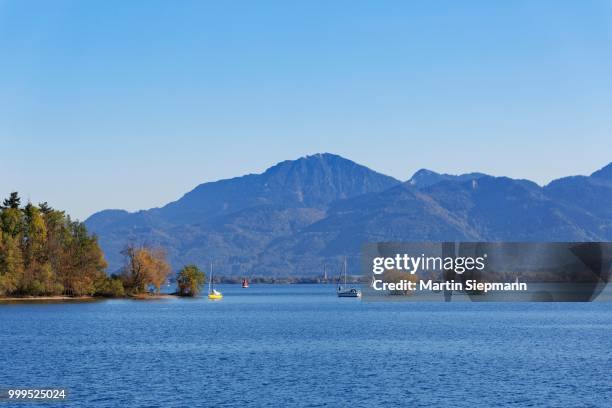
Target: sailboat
x,y
345,291
213,293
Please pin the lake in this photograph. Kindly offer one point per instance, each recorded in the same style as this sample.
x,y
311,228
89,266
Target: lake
x,y
300,345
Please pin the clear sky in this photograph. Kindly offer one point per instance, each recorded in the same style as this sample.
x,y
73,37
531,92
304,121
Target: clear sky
x,y
130,104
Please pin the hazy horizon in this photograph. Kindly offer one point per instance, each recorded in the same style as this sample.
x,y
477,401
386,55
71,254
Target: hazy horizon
x,y
130,105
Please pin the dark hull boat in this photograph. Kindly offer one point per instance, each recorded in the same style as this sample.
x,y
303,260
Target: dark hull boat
x,y
345,291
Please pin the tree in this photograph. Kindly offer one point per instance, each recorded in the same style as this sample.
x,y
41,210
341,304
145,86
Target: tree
x,y
83,260
37,272
12,202
57,244
11,256
159,268
144,266
11,222
190,280
109,286
134,276
11,265
45,208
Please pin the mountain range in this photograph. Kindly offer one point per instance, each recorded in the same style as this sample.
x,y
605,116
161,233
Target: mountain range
x,y
301,214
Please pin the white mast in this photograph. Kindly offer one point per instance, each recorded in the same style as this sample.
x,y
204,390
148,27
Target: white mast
x,y
211,277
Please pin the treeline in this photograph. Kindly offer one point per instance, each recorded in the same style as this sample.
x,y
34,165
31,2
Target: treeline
x,y
45,253
286,279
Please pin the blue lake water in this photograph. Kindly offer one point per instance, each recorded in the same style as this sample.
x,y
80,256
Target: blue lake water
x,y
300,345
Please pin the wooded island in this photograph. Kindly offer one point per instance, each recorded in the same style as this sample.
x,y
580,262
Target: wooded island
x,y
45,253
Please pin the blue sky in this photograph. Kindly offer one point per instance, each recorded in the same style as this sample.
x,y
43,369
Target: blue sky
x,y
115,104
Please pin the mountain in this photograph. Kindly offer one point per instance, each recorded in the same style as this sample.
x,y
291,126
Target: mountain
x,y
236,218
426,178
486,209
312,181
299,214
592,194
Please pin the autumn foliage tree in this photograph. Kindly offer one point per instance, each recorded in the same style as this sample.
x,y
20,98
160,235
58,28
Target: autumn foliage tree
x,y
144,267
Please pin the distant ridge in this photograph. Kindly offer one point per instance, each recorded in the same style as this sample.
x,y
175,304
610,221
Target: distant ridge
x,y
299,214
604,173
425,178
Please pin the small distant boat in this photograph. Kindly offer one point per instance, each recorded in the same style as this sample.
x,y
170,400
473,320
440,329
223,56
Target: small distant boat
x,y
345,291
245,283
352,292
213,294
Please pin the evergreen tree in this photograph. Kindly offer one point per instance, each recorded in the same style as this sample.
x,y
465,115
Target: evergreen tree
x,y
12,202
45,208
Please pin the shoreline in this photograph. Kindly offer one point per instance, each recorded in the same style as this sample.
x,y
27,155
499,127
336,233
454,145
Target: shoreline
x,y
85,298
143,296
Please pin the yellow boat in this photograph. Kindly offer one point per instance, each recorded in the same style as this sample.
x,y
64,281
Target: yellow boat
x,y
213,294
